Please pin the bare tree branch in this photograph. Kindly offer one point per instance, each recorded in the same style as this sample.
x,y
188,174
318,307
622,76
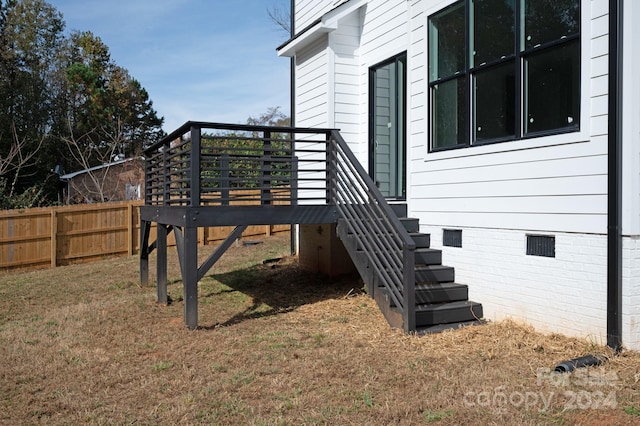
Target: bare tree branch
x,y
280,17
18,158
91,148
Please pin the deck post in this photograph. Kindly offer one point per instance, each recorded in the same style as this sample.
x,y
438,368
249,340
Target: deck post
x,y
331,176
409,289
166,175
194,167
161,264
225,182
190,276
265,193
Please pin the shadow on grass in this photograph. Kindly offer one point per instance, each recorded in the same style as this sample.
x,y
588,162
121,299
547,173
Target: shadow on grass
x,y
280,287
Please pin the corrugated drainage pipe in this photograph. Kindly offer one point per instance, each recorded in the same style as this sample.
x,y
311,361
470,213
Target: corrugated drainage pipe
x,y
583,361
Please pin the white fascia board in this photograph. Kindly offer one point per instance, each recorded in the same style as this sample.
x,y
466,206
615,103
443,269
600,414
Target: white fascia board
x,y
328,23
308,37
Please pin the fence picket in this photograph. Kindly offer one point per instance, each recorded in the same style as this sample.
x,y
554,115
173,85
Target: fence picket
x,y
58,236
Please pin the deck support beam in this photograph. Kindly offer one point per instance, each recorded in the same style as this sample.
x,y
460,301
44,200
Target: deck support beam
x,y
190,276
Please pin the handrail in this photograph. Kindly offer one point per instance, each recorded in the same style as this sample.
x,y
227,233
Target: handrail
x,y
388,246
186,127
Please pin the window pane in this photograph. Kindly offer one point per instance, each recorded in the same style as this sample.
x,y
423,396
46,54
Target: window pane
x,y
552,88
449,113
495,102
447,42
493,30
548,20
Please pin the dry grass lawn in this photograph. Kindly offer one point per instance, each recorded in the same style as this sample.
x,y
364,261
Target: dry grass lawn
x,y
277,346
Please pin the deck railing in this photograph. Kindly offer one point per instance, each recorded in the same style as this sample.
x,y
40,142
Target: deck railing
x,y
388,246
209,164
221,164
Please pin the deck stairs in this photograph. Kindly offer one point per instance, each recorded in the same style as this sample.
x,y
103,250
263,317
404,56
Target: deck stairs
x,y
440,302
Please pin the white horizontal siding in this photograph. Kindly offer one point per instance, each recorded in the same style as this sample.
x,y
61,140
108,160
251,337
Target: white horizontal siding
x,y
308,11
311,85
518,184
384,34
345,46
540,187
312,102
631,123
385,27
523,178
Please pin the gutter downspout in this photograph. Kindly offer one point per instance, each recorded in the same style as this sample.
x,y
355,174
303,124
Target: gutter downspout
x,y
292,88
614,186
292,106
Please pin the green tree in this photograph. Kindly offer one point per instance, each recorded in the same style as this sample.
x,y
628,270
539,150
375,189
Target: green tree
x,y
241,153
62,101
31,32
108,110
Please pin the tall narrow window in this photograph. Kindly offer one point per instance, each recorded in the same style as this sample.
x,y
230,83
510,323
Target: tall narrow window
x,y
493,68
447,71
503,70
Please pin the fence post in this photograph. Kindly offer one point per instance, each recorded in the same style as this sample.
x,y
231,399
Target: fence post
x,y
54,238
130,228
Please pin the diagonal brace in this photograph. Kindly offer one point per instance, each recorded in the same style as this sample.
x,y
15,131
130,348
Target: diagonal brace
x,y
220,250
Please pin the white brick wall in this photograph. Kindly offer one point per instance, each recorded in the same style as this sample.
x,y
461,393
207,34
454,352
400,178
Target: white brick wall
x,y
631,293
566,294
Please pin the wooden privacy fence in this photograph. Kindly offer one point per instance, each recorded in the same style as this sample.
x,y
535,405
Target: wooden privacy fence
x,y
57,236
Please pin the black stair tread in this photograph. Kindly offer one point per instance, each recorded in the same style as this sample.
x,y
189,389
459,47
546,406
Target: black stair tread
x,y
420,239
428,256
410,224
400,209
433,267
439,286
434,294
441,293
434,274
447,313
446,306
427,250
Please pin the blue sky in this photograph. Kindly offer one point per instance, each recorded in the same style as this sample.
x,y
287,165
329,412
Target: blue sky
x,y
204,60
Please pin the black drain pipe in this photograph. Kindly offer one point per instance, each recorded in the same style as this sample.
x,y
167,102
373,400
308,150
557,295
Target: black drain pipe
x,y
614,186
583,361
292,106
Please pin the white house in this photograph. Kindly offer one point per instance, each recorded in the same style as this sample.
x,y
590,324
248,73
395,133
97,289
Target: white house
x,y
511,128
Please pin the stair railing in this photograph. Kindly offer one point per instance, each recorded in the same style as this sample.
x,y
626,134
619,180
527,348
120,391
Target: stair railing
x,y
388,246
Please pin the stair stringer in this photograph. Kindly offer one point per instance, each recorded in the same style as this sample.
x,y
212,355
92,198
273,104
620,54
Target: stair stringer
x,y
374,286
431,317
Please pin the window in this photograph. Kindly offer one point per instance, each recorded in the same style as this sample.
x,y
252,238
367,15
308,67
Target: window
x,y
503,70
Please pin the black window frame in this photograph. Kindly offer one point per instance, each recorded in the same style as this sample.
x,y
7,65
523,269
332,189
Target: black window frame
x,y
520,55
